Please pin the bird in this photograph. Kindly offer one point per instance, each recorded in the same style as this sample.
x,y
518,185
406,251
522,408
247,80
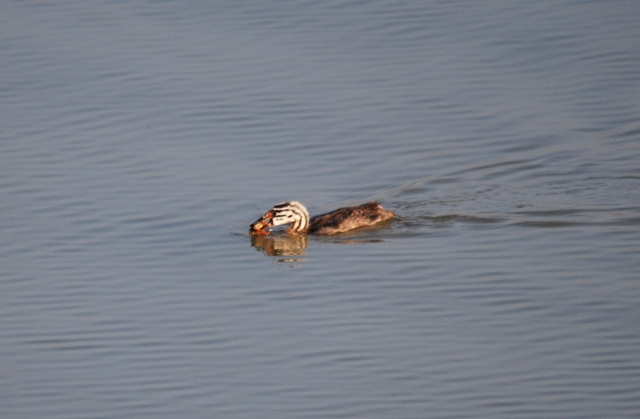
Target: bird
x,y
334,222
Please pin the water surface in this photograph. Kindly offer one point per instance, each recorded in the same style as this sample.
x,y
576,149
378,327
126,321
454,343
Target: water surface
x,y
139,140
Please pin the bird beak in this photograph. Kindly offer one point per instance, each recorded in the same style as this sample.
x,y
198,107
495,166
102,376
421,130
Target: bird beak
x,y
261,225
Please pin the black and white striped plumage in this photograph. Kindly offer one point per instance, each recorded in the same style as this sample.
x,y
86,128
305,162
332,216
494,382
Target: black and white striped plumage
x,y
338,221
291,212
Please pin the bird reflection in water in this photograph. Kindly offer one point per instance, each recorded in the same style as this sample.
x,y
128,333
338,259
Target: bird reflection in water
x,y
282,245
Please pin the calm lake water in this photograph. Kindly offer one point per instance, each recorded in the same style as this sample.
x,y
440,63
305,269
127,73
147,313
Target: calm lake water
x,y
140,139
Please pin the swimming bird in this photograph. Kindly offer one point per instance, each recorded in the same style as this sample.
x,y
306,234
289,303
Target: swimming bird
x,y
334,222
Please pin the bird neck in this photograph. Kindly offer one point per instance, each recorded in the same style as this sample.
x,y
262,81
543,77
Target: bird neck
x,y
300,225
301,218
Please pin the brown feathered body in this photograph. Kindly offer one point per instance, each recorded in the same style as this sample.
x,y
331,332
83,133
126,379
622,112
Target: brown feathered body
x,y
349,218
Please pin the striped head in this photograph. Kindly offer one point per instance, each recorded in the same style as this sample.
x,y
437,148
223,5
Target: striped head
x,y
293,213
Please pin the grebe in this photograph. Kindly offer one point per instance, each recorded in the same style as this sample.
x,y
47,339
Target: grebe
x,y
334,222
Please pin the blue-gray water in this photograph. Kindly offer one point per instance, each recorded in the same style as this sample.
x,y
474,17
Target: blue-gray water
x,y
138,140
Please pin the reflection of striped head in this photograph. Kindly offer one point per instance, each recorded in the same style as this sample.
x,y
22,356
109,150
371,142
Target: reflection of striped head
x,y
291,212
